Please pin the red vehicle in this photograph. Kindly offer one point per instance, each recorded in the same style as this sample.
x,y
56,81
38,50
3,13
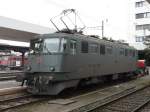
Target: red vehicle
x,y
3,62
12,62
141,65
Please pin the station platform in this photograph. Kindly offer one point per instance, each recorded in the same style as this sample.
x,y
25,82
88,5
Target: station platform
x,y
9,74
9,84
10,71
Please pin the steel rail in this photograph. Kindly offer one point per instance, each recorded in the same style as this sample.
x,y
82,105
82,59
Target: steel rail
x,y
107,100
9,75
7,78
18,102
141,106
116,99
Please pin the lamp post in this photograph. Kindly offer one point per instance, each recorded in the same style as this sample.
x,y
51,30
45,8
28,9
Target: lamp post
x,y
103,24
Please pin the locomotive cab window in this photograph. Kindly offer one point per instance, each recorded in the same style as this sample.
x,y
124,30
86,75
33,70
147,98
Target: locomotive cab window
x,y
73,46
54,45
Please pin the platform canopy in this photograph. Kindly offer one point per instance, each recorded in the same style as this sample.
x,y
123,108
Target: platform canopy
x,y
11,29
15,35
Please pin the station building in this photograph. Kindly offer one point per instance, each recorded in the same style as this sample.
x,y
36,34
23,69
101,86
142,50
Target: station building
x,y
142,22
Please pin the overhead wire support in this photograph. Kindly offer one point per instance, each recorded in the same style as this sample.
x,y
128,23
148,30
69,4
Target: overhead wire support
x,y
75,21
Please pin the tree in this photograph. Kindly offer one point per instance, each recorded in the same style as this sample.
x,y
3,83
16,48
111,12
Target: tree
x,y
147,56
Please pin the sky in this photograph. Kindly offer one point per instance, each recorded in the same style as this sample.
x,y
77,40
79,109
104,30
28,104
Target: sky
x,y
114,13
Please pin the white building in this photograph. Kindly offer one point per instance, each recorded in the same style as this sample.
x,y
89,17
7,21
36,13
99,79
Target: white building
x,y
142,22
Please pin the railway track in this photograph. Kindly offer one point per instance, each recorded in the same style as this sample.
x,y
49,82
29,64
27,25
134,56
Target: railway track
x,y
17,96
9,75
144,108
4,73
7,78
19,100
133,101
95,101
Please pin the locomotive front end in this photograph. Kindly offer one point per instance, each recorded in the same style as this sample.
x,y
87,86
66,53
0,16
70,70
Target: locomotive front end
x,y
45,64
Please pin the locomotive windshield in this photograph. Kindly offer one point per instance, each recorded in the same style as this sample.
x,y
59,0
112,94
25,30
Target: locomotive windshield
x,y
49,45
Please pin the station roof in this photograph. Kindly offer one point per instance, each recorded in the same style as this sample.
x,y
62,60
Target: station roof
x,y
15,35
11,29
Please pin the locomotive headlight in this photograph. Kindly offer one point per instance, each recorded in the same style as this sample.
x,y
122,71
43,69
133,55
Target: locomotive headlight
x,y
52,69
28,68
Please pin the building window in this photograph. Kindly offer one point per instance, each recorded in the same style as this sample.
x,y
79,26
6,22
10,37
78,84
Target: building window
x,y
147,15
139,38
142,15
139,4
102,49
142,27
84,47
147,38
139,27
93,48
